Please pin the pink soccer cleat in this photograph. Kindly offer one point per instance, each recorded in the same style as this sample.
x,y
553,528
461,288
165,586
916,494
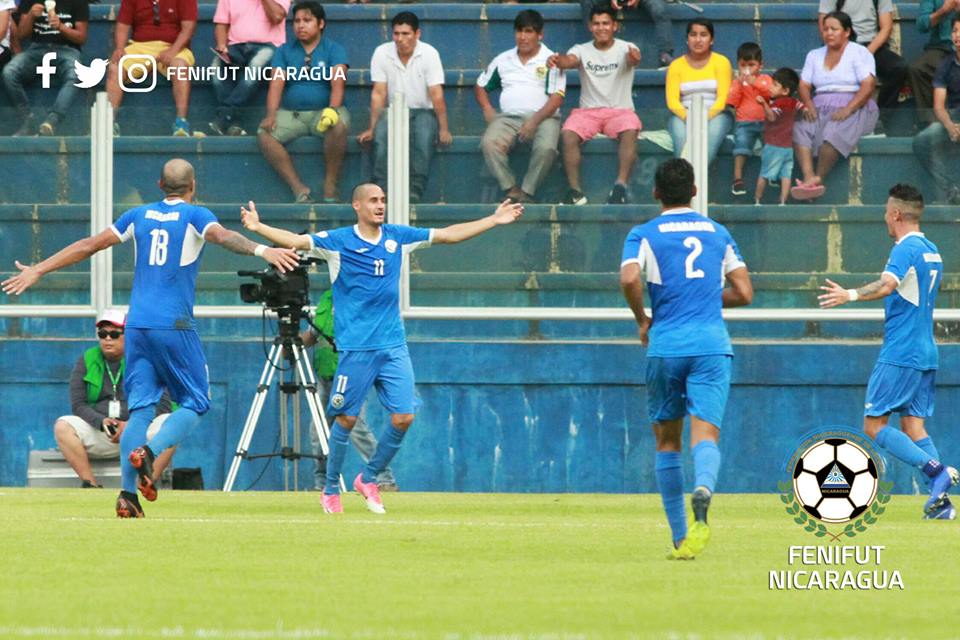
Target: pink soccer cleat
x,y
331,503
370,493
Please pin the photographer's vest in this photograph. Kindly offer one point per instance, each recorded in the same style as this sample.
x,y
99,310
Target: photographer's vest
x,y
96,366
325,359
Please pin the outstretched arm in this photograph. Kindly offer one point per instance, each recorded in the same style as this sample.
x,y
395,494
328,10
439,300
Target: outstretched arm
x,y
836,295
632,286
740,291
283,259
251,221
71,254
505,214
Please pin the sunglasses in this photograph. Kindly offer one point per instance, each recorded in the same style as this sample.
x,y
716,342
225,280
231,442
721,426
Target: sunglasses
x,y
156,12
113,335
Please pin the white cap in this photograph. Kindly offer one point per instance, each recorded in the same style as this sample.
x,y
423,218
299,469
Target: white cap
x,y
113,316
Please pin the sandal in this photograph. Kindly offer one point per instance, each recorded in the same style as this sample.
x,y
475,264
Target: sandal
x,y
802,191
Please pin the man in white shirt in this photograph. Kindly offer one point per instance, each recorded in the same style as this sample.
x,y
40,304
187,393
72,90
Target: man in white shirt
x,y
413,68
606,101
7,7
530,99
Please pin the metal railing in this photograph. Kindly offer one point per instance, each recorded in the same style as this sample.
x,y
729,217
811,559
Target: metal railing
x,y
398,212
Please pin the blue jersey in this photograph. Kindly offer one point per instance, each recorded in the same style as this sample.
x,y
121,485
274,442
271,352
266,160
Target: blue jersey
x,y
908,326
684,257
168,238
365,279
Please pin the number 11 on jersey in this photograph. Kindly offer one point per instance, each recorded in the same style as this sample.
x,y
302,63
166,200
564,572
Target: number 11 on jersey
x,y
378,267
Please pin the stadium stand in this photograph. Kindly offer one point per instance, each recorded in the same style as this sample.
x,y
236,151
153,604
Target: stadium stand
x,y
532,406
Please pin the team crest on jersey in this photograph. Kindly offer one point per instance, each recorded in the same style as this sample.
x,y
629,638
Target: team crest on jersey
x,y
337,401
390,246
322,234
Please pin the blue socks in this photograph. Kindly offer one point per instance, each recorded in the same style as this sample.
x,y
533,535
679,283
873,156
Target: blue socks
x,y
134,435
174,430
900,446
339,439
670,483
706,464
928,447
387,448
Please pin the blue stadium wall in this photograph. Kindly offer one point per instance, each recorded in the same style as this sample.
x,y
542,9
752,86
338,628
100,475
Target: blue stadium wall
x,y
513,416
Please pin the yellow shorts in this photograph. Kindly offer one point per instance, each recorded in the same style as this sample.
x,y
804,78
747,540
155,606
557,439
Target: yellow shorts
x,y
136,69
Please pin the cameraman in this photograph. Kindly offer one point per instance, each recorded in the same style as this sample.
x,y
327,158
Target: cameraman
x,y
99,404
325,359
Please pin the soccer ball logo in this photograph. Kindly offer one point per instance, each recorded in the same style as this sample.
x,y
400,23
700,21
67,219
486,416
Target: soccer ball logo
x,y
835,480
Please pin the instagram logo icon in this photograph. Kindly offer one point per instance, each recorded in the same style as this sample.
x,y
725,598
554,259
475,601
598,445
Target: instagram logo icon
x,y
139,73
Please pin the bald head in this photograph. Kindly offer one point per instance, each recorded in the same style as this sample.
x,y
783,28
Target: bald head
x,y
177,178
362,191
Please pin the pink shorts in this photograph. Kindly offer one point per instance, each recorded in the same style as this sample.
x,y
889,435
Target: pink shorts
x,y
587,123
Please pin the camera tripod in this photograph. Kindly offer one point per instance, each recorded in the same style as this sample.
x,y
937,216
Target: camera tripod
x,y
287,345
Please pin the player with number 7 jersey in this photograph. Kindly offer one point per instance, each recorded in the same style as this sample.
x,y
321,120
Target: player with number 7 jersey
x,y
692,268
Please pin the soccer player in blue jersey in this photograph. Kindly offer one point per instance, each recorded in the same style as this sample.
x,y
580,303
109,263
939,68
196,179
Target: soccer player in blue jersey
x,y
685,259
163,348
364,262
903,377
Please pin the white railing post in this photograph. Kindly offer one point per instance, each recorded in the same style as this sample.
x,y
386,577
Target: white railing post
x,y
398,178
698,145
101,199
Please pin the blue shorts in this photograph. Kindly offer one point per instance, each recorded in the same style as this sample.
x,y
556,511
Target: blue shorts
x,y
745,136
694,385
166,358
903,390
776,163
390,370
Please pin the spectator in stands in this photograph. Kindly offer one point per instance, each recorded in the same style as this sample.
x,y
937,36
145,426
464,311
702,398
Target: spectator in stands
x,y
776,160
60,30
606,102
873,23
663,26
99,404
530,99
411,67
155,37
934,17
7,8
941,140
320,336
247,32
308,104
843,74
699,71
749,91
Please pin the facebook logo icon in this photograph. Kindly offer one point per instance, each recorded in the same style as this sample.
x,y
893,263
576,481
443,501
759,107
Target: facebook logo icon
x,y
45,70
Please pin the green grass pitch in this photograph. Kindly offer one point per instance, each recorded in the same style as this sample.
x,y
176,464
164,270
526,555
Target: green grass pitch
x,y
449,566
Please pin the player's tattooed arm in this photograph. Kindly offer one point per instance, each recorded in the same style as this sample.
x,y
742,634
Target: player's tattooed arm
x,y
282,259
836,295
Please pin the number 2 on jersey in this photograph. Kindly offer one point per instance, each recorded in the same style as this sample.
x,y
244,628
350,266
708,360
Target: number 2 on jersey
x,y
159,239
696,248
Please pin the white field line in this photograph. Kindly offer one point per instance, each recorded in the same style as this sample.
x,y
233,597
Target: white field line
x,y
381,521
278,633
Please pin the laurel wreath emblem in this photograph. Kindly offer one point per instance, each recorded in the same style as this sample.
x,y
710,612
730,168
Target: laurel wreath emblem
x,y
811,525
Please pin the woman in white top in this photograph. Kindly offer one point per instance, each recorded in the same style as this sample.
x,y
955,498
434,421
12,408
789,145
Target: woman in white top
x,y
843,74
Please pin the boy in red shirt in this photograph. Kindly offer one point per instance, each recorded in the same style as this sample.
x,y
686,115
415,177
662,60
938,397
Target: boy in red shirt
x,y
744,91
776,161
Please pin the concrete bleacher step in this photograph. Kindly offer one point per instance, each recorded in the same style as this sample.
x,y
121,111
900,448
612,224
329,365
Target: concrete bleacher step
x,y
60,171
47,468
553,256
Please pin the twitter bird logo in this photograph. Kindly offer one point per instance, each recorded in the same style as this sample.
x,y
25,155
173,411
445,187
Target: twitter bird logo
x,y
90,76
